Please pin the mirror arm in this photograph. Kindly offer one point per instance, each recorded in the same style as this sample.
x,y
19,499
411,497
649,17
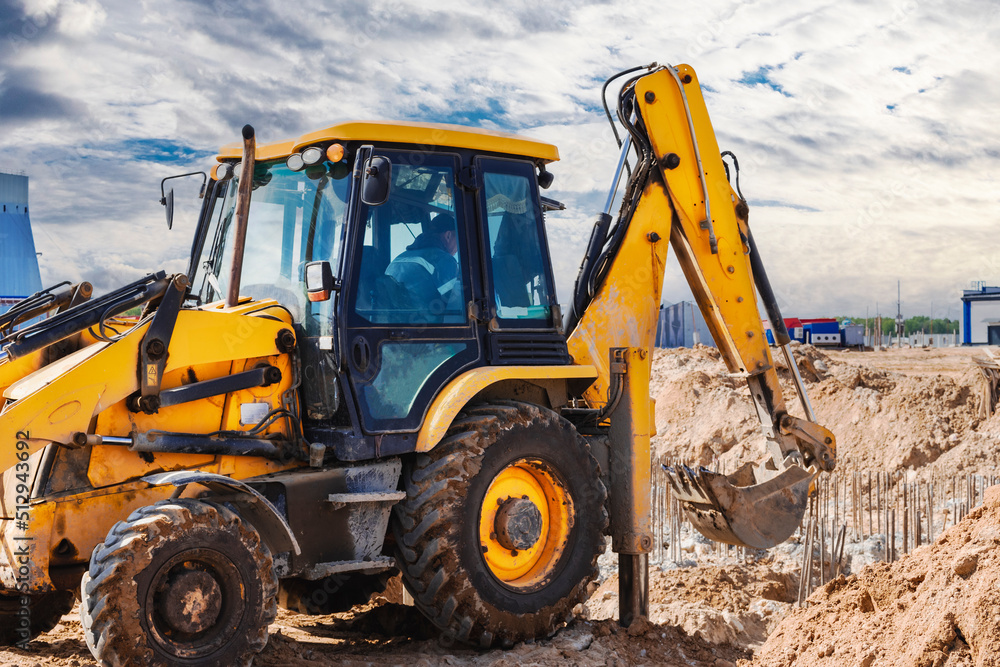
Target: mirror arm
x,y
204,183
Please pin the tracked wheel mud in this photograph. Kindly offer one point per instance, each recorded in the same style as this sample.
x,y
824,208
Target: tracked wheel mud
x,y
179,582
502,525
20,622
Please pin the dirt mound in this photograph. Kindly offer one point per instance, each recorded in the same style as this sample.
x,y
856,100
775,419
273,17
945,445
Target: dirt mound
x,y
883,419
730,605
701,412
377,636
937,606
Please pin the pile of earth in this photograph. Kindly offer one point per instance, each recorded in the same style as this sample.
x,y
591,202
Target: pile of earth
x,y
735,604
884,420
940,605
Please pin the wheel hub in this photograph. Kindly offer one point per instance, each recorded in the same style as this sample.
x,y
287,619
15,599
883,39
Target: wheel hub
x,y
193,602
518,524
525,521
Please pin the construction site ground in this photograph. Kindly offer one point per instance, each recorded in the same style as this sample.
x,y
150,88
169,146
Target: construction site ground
x,y
913,413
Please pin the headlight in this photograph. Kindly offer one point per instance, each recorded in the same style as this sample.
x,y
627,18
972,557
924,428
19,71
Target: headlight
x,y
312,155
222,171
294,162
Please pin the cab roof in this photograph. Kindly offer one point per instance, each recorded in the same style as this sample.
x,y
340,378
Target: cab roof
x,y
404,132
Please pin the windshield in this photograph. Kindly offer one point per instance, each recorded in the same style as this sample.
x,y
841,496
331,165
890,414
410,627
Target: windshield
x,y
295,217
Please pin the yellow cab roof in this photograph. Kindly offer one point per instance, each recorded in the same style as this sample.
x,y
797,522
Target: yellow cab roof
x,y
400,132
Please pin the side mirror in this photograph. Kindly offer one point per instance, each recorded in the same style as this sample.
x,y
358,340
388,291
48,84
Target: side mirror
x,y
167,198
376,180
168,201
319,281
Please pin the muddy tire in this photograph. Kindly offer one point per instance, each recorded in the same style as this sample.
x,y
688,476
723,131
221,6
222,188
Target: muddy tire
x,y
179,582
22,618
330,595
502,525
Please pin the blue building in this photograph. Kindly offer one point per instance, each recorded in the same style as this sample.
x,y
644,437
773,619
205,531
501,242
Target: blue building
x,y
19,276
980,315
677,326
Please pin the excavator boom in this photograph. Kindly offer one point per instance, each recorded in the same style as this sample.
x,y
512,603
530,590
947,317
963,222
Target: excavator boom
x,y
679,191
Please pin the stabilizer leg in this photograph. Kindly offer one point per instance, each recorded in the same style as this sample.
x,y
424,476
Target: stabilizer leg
x,y
633,587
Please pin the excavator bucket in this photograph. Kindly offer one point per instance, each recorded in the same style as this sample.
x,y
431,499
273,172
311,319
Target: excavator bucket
x,y
740,510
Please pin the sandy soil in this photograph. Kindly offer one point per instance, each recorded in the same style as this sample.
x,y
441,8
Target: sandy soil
x,y
889,410
897,410
938,606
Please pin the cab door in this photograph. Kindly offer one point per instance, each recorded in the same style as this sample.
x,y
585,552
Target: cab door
x,y
524,324
408,330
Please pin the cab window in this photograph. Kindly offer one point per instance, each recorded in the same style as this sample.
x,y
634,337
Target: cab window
x,y
521,281
411,269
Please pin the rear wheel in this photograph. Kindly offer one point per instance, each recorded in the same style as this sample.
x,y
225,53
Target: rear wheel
x,y
179,582
502,525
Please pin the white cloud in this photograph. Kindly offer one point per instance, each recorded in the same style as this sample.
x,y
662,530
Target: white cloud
x,y
870,148
78,19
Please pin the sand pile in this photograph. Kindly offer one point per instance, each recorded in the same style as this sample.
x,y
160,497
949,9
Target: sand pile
x,y
938,606
883,420
722,605
394,635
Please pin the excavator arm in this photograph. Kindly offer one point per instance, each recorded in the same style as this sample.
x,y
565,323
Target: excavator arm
x,y
679,192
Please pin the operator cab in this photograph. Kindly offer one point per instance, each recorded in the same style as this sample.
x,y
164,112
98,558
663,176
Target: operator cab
x,y
427,256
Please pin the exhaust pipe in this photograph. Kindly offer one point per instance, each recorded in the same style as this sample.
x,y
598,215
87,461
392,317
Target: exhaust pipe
x,y
242,214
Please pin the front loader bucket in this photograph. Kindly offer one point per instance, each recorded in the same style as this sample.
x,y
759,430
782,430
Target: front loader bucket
x,y
736,510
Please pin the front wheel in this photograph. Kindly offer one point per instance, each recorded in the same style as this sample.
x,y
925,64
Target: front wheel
x,y
502,525
179,582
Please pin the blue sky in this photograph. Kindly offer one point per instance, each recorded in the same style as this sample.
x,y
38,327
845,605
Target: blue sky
x,y
866,130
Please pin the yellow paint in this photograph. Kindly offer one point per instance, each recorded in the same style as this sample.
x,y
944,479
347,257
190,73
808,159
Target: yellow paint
x,y
271,395
90,387
201,416
722,283
41,378
35,541
625,310
84,520
242,467
94,375
13,370
424,135
631,459
450,401
113,464
532,480
272,151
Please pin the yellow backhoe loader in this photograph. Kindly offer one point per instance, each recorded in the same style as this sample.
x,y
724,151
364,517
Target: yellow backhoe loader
x,y
365,369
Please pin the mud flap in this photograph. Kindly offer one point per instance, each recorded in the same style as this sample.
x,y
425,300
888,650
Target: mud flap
x,y
737,510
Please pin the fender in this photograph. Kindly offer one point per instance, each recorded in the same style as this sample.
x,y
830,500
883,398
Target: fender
x,y
264,516
450,401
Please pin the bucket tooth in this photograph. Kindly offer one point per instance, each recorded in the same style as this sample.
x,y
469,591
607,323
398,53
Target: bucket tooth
x,y
727,509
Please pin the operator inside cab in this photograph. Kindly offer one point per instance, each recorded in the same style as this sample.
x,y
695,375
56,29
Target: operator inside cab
x,y
428,268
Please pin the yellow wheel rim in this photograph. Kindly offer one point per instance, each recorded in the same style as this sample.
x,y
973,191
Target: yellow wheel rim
x,y
529,567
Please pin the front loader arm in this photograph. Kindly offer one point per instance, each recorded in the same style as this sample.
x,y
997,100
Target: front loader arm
x,y
679,191
61,400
